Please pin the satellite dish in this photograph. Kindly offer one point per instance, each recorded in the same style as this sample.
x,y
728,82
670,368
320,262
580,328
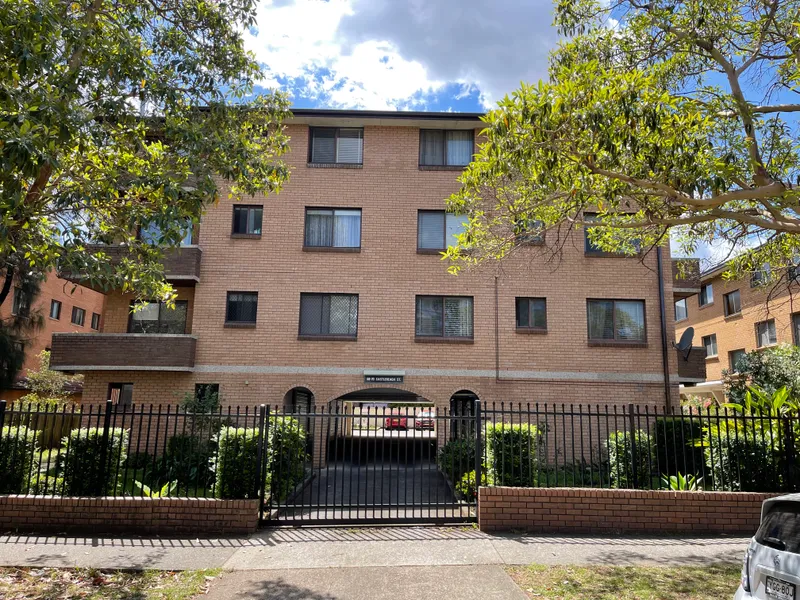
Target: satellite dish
x,y
685,343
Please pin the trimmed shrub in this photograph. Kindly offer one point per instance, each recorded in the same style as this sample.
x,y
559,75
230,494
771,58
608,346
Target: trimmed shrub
x,y
513,452
465,488
457,457
83,468
742,461
236,465
53,418
188,461
17,447
676,448
620,446
286,459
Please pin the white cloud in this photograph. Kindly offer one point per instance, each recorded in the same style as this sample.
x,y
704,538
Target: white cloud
x,y
384,54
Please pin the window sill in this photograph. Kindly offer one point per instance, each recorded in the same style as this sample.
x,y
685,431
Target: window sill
x,y
430,251
767,347
733,317
331,249
313,165
609,255
525,242
442,167
613,344
531,331
246,236
681,320
713,358
237,325
53,319
709,305
328,338
443,340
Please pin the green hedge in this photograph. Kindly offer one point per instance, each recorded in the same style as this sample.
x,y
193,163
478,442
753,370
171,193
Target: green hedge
x,y
676,448
236,465
621,465
513,452
457,457
17,447
83,469
466,489
742,460
188,461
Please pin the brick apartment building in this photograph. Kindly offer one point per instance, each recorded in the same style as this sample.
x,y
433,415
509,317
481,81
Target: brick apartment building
x,y
64,307
334,289
731,318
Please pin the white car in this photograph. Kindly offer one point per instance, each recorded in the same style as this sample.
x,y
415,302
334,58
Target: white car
x,y
771,569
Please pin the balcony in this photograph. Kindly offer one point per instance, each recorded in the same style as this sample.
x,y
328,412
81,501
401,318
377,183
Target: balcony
x,y
122,351
687,283
181,265
692,370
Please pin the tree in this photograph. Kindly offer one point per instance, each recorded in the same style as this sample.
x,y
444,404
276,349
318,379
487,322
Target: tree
x,y
767,370
19,326
660,117
115,119
46,385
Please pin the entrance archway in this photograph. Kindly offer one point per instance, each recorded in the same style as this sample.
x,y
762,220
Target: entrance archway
x,y
462,410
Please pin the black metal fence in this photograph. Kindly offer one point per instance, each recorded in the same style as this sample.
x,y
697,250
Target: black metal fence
x,y
361,462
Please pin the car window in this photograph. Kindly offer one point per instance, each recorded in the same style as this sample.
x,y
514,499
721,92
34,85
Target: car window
x,y
781,527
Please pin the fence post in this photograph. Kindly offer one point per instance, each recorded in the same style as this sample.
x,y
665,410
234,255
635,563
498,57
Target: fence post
x,y
788,449
263,448
478,447
632,429
104,448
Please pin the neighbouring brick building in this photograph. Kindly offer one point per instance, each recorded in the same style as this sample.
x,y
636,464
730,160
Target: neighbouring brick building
x,y
731,317
335,287
64,307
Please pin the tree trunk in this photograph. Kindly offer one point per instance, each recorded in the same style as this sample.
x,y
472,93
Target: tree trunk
x,y
7,284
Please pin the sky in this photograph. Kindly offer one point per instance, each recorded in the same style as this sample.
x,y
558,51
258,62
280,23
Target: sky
x,y
440,55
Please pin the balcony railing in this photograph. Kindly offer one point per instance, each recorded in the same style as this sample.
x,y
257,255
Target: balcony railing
x,y
693,369
124,351
181,265
685,277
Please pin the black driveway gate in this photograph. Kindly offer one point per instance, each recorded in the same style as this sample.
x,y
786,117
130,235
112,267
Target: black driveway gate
x,y
378,464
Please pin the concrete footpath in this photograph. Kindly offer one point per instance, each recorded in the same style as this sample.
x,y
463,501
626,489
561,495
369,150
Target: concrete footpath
x,y
322,548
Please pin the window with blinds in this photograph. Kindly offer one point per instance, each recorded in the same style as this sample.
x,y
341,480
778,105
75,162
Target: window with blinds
x,y
616,321
329,315
157,317
732,303
242,307
710,344
336,145
437,229
766,334
333,228
247,219
445,147
444,316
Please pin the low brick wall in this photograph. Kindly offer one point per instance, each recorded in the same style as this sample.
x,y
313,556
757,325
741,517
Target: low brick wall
x,y
153,516
581,510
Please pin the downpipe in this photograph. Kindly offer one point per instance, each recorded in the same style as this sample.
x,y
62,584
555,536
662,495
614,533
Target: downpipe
x,y
663,311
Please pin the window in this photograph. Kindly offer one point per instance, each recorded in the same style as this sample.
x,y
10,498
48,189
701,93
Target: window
x,y
761,276
437,229
618,321
333,228
765,333
19,347
733,303
710,344
529,231
593,249
20,305
735,358
532,314
78,316
444,317
242,308
120,393
95,321
151,233
55,309
247,220
156,317
329,315
206,393
336,145
681,310
781,526
445,147
706,294
796,328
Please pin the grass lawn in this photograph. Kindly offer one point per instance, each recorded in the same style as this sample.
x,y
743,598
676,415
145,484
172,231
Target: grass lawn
x,y
91,584
627,583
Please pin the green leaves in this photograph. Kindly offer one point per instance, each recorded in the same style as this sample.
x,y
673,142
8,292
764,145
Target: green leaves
x,y
126,118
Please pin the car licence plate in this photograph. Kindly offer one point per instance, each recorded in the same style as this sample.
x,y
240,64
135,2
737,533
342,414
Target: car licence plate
x,y
780,590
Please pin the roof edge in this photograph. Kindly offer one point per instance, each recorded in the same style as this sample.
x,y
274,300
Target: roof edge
x,y
386,114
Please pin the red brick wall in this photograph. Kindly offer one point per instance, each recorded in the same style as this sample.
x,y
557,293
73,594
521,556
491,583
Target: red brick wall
x,y
69,295
582,510
153,516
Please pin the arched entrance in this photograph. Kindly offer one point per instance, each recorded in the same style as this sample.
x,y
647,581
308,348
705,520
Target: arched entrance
x,y
462,409
381,450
